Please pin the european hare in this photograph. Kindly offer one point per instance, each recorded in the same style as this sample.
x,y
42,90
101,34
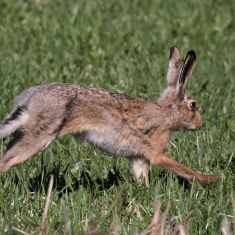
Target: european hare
x,y
116,123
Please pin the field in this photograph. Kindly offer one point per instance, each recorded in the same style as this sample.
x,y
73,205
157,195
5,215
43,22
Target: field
x,y
121,46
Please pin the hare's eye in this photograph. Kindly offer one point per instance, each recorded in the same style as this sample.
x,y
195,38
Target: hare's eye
x,y
193,105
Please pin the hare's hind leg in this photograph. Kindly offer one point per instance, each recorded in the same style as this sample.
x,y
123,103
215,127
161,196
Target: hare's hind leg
x,y
140,168
24,148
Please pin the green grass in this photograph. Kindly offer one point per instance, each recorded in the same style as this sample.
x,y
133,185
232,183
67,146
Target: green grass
x,y
123,46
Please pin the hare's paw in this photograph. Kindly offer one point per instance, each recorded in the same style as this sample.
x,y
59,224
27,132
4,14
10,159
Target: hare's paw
x,y
140,168
207,179
3,167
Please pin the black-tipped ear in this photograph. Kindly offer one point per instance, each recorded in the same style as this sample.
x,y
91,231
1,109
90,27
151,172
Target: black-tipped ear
x,y
187,66
185,73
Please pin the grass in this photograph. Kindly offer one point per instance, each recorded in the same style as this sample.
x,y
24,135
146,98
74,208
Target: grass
x,y
123,46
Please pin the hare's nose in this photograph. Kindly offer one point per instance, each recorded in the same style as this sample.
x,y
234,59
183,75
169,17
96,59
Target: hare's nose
x,y
198,121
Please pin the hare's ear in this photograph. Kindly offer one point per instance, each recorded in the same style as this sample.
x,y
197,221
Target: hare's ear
x,y
173,67
169,94
185,73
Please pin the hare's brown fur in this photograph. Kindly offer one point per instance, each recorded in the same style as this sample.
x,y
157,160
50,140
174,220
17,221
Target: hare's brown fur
x,y
116,123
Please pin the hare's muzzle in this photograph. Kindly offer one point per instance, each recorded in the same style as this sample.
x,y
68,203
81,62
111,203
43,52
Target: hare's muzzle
x,y
197,121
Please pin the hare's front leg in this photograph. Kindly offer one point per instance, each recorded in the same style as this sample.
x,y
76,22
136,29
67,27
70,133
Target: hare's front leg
x,y
155,152
164,160
140,168
23,148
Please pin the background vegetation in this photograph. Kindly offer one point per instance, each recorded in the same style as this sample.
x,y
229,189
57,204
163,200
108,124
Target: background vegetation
x,y
122,46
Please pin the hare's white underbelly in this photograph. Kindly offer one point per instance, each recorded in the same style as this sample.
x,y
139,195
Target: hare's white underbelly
x,y
112,141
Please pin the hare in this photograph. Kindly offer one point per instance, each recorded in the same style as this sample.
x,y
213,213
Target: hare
x,y
116,123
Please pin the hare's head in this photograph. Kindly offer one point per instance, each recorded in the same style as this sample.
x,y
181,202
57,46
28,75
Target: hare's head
x,y
186,114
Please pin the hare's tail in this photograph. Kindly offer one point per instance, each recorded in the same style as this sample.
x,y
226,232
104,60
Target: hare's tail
x,y
19,115
16,119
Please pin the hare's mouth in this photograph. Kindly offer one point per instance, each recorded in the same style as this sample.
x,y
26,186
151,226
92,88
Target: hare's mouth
x,y
191,126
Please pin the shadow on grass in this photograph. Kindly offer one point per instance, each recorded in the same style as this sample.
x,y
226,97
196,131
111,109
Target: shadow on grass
x,y
41,181
181,181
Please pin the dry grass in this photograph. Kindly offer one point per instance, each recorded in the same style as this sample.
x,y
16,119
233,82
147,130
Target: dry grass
x,y
161,224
